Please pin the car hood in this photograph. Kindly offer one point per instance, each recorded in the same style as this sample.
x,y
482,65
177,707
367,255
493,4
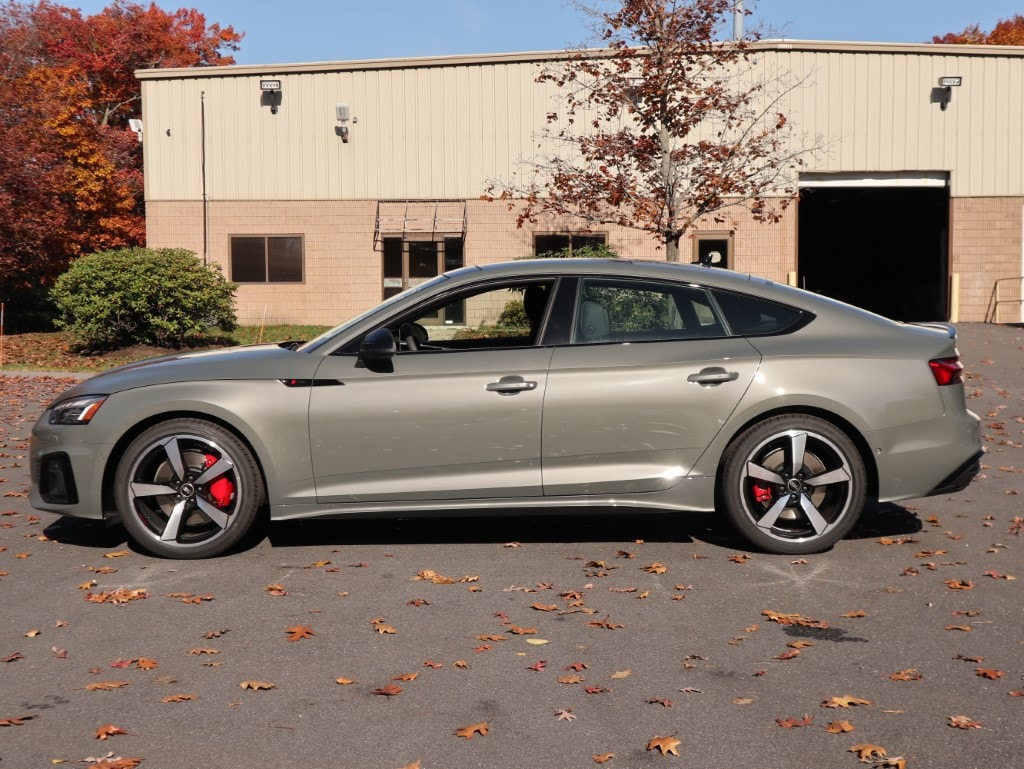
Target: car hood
x,y
266,361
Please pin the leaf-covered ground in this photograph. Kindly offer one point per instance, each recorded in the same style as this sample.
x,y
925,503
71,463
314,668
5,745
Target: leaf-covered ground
x,y
627,640
53,351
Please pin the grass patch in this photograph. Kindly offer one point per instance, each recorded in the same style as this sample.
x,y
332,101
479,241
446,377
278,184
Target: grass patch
x,y
52,351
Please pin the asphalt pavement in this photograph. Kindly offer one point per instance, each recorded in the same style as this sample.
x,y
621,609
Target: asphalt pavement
x,y
540,641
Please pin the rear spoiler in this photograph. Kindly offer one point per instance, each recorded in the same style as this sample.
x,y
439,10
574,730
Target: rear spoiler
x,y
947,328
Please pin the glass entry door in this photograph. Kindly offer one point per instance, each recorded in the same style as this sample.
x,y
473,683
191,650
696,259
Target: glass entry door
x,y
407,263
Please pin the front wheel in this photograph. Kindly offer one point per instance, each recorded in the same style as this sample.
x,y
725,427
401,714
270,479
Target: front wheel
x,y
793,484
187,488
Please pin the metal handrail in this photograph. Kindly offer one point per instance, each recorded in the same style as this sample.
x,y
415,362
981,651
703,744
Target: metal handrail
x,y
998,299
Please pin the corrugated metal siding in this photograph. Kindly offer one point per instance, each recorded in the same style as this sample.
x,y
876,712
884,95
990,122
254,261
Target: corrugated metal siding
x,y
443,131
417,133
875,113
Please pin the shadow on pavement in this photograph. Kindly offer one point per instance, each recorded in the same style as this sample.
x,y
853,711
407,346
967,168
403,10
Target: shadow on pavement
x,y
592,525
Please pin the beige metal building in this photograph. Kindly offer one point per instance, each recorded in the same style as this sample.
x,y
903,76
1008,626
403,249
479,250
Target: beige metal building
x,y
321,188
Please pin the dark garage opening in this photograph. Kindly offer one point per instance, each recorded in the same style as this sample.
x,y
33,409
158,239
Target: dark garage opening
x,y
880,248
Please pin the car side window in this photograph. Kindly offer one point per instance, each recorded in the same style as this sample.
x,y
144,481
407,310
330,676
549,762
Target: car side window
x,y
614,310
506,315
753,316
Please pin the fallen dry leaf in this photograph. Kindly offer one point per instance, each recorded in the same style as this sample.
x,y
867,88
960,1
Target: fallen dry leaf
x,y
667,745
104,686
963,722
603,758
389,690
15,720
299,632
516,630
565,714
866,752
257,685
469,731
839,727
381,627
792,722
846,701
179,698
910,674
959,584
989,673
109,730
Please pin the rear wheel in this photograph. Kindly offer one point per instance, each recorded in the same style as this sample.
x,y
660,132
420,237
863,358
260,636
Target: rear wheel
x,y
793,484
187,488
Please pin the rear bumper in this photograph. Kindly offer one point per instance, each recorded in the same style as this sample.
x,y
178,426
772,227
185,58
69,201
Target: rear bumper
x,y
959,479
922,459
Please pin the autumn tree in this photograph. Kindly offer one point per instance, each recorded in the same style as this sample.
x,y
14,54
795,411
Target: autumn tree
x,y
665,127
1005,32
71,170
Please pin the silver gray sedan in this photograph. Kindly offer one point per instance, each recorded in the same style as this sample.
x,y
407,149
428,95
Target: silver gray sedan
x,y
537,385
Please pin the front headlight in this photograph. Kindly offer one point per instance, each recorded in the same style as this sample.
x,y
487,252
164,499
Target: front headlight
x,y
76,411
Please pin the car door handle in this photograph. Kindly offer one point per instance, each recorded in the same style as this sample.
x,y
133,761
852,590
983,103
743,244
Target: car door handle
x,y
715,375
510,385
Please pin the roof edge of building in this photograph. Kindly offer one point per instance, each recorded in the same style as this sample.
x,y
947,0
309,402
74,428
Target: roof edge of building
x,y
249,70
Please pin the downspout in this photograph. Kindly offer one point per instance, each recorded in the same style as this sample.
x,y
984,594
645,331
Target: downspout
x,y
206,201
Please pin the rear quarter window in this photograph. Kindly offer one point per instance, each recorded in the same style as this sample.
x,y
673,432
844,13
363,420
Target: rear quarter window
x,y
754,316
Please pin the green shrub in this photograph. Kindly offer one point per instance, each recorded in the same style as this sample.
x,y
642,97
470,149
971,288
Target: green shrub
x,y
600,251
156,296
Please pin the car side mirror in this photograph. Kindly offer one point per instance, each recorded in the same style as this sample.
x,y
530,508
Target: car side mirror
x,y
378,349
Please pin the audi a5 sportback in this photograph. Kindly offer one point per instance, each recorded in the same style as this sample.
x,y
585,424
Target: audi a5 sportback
x,y
536,385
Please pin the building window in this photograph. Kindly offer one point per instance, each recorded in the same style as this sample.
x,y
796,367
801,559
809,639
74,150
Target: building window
x,y
707,243
565,244
409,262
266,258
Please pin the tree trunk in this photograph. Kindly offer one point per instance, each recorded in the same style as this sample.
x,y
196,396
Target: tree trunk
x,y
672,249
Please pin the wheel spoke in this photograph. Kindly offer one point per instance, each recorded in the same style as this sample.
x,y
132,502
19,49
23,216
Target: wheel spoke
x,y
818,523
173,452
798,445
138,489
762,473
839,475
170,532
219,467
218,516
768,520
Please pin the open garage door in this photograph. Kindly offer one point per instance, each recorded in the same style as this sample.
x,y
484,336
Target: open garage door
x,y
878,242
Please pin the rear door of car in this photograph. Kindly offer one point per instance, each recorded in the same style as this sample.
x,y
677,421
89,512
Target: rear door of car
x,y
646,381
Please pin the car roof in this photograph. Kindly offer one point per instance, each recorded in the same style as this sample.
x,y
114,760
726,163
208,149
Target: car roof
x,y
674,271
715,277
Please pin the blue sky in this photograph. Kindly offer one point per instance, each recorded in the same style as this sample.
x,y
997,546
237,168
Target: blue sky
x,y
342,30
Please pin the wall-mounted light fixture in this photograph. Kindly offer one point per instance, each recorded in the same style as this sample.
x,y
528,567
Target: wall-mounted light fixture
x,y
944,93
342,114
270,94
136,125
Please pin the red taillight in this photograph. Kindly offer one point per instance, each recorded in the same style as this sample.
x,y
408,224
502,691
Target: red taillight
x,y
947,371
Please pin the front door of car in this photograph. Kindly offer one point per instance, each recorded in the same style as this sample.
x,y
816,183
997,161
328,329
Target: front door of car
x,y
646,383
443,425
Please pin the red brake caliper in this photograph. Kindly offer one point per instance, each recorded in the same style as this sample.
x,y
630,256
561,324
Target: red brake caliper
x,y
762,493
222,490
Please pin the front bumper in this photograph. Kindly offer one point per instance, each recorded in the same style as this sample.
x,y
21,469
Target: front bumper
x,y
66,471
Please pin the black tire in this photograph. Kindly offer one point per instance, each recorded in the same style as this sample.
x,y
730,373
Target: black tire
x,y
793,484
187,488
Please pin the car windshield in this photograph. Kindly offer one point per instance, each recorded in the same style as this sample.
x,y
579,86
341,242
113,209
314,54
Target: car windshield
x,y
314,344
